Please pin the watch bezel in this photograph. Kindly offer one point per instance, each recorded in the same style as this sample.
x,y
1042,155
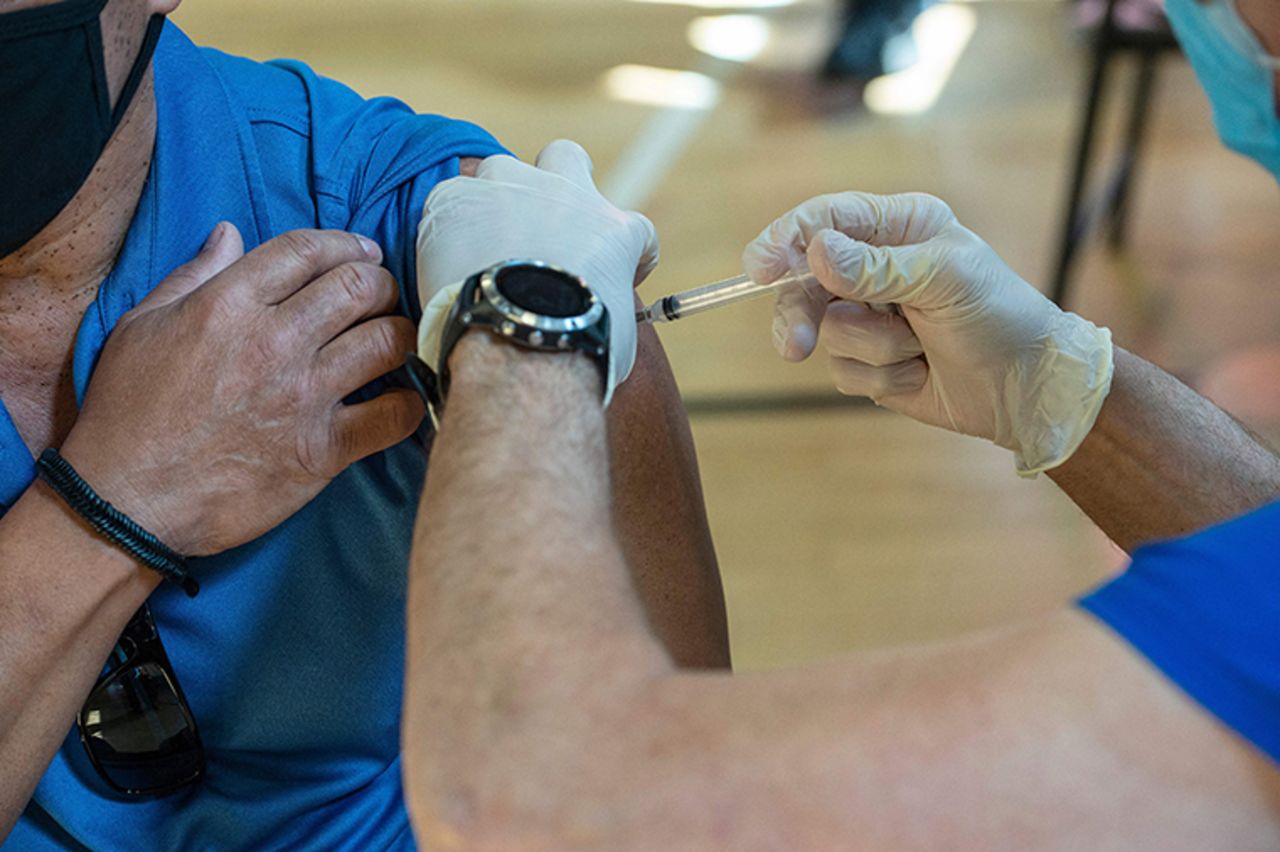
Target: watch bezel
x,y
522,316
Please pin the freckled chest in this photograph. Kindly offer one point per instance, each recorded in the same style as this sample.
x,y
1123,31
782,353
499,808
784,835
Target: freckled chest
x,y
37,335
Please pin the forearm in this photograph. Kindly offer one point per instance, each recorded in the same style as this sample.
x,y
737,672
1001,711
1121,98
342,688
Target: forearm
x,y
1162,461
659,513
1038,735
519,595
65,596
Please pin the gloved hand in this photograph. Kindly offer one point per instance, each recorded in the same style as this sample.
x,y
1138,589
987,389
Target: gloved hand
x,y
550,213
975,349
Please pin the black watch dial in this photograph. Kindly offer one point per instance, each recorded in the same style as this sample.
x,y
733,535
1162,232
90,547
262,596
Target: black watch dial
x,y
545,292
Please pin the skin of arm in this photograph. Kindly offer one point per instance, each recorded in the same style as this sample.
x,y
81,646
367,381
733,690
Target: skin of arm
x,y
541,712
658,510
1142,475
525,500
659,513
76,596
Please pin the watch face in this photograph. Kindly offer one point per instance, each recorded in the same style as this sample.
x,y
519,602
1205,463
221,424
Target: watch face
x,y
543,291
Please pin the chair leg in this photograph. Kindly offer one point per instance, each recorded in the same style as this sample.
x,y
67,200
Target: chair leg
x,y
1118,210
1074,224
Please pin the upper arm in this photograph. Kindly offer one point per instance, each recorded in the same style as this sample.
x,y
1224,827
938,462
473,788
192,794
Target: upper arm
x,y
1054,735
659,514
374,162
658,508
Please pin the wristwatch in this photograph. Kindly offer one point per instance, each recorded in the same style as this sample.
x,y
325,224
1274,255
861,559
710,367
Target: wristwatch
x,y
530,304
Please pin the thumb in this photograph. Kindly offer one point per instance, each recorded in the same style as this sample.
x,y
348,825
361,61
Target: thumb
x,y
570,161
859,272
223,248
651,251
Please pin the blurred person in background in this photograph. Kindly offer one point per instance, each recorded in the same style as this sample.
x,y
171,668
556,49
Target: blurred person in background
x,y
1142,716
1129,14
874,39
206,274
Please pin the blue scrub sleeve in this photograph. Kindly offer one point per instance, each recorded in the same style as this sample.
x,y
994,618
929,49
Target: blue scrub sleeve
x,y
1205,610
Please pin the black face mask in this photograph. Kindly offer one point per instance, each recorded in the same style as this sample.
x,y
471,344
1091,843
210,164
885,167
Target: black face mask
x,y
55,110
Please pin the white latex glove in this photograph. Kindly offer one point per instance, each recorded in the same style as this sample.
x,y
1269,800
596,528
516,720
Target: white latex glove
x,y
550,213
976,349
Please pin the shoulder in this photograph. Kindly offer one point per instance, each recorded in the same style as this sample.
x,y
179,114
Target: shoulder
x,y
290,93
277,92
327,156
361,144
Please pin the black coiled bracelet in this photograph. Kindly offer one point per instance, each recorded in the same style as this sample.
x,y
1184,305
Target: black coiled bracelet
x,y
113,524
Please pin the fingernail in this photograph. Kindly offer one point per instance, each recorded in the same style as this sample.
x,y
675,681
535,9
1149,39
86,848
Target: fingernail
x,y
804,337
372,249
215,236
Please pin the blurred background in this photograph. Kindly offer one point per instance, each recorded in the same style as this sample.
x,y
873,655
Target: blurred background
x,y
838,525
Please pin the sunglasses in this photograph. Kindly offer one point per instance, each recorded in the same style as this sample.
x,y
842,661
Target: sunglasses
x,y
136,724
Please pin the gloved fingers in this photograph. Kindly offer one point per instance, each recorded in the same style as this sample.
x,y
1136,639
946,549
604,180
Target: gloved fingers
x,y
882,220
570,160
854,378
858,272
853,330
780,248
905,219
500,167
652,250
560,162
885,220
796,319
766,260
503,169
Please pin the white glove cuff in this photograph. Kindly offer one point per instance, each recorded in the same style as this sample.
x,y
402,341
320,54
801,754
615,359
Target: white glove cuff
x,y
431,330
1070,382
435,315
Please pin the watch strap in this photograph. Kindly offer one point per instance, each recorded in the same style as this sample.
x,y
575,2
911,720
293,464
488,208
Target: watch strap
x,y
470,310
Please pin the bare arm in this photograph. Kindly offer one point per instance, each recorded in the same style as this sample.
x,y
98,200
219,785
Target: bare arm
x,y
510,541
1163,461
658,508
65,595
1047,736
542,713
659,513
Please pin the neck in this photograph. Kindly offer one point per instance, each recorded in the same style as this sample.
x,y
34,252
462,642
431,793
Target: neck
x,y
76,250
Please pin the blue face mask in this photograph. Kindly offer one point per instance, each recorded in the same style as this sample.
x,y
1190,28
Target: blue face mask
x,y
1236,72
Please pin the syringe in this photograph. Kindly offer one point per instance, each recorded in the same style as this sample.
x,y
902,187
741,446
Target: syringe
x,y
727,292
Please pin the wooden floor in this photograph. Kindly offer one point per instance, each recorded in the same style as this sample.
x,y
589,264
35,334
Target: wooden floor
x,y
841,526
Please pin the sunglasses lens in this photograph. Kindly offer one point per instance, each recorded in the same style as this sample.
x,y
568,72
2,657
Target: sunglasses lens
x,y
139,732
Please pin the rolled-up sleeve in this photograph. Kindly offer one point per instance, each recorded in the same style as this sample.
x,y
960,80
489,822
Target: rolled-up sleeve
x,y
1205,611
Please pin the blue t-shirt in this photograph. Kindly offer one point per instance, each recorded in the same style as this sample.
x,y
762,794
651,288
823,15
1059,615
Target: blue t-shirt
x,y
292,656
1205,610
